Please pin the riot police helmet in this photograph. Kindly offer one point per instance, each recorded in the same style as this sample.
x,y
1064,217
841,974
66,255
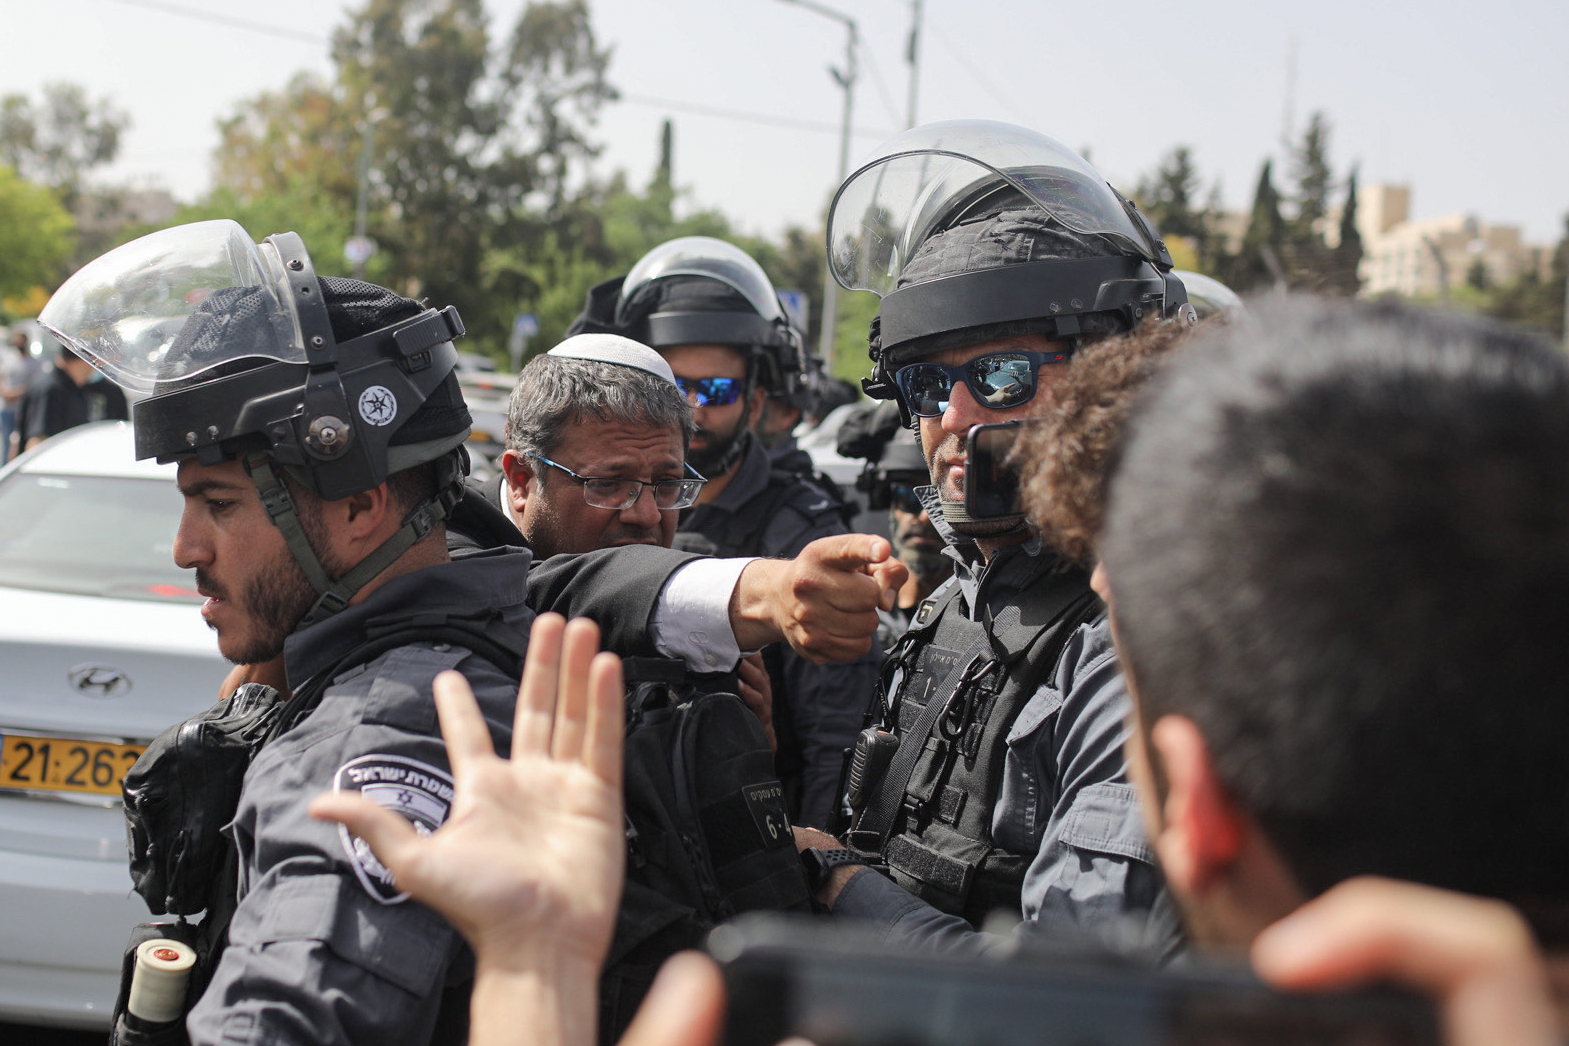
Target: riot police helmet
x,y
972,230
698,290
239,351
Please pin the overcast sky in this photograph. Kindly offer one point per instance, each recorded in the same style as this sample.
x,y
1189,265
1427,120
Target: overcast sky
x,y
1466,102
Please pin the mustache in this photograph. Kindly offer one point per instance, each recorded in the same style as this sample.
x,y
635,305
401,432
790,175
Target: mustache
x,y
206,585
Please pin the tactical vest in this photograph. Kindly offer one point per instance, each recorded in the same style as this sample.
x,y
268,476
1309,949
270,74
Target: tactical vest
x,y
741,533
950,692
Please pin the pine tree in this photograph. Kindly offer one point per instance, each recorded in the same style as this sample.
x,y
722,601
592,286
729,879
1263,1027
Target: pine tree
x,y
1258,264
1348,252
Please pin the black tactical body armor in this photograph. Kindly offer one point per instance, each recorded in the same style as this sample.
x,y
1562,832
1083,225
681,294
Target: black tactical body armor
x,y
952,688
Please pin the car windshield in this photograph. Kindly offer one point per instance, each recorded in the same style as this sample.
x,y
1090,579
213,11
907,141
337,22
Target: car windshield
x,y
92,535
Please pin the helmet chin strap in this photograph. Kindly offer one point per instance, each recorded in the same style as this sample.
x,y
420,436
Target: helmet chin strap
x,y
335,595
956,515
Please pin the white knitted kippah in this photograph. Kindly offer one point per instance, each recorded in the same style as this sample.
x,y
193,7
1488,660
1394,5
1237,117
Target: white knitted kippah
x,y
613,348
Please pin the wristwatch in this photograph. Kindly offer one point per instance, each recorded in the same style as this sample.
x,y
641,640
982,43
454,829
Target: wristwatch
x,y
820,864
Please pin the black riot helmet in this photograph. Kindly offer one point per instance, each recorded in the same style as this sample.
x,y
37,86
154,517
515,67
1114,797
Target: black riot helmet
x,y
697,290
241,352
971,230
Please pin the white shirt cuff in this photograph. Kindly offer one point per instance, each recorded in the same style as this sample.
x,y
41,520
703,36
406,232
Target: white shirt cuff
x,y
692,617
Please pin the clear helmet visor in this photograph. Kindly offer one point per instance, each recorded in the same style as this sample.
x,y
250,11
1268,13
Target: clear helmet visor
x,y
929,177
702,256
175,303
1208,296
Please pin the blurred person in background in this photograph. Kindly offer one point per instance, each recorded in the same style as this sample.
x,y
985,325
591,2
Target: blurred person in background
x,y
17,373
71,393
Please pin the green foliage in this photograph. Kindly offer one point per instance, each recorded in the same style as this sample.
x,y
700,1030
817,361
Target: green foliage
x,y
473,149
1315,182
36,235
1537,298
1343,277
1257,263
1170,197
58,139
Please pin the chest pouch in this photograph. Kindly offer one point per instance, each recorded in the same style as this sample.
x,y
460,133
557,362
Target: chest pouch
x,y
183,792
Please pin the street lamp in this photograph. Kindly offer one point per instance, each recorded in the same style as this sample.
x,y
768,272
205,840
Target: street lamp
x,y
358,250
846,79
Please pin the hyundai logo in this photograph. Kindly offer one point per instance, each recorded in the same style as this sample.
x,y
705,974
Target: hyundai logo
x,y
100,680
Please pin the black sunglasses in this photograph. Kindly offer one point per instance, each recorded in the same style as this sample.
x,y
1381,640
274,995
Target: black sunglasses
x,y
998,380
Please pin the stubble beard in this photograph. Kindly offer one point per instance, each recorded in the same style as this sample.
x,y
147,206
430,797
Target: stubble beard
x,y
710,456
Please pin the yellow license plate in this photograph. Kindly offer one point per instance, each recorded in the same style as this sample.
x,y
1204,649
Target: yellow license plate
x,y
64,764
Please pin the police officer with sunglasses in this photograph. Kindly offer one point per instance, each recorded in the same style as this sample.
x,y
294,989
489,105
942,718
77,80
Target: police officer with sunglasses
x,y
991,779
709,309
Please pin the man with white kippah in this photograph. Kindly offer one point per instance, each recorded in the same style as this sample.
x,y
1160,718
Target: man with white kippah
x,y
597,434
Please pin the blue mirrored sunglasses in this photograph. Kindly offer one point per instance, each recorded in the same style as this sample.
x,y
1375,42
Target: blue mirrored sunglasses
x,y
710,392
998,380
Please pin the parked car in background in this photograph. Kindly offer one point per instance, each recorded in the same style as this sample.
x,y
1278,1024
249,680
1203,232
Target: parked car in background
x,y
102,646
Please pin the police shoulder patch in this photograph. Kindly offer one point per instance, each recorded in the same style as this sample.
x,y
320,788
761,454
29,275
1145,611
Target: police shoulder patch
x,y
420,792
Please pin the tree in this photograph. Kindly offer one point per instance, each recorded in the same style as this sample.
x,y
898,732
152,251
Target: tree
x,y
58,139
474,149
1169,197
1258,262
1315,182
36,235
1344,277
1536,298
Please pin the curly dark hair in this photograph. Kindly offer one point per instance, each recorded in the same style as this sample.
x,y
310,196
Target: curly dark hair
x,y
1063,461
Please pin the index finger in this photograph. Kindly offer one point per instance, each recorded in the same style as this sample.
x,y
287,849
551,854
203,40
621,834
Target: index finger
x,y
851,552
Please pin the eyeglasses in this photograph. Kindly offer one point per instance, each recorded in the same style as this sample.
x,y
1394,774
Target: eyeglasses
x,y
998,380
710,392
622,494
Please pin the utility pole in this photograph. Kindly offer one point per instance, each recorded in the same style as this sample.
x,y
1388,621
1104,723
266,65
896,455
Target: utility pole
x,y
358,250
912,55
845,78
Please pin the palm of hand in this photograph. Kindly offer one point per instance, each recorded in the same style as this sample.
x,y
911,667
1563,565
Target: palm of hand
x,y
533,846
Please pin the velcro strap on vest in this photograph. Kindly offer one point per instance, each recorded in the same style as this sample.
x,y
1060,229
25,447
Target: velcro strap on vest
x,y
946,872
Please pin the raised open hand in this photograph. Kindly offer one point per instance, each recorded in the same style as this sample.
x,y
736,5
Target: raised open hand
x,y
529,865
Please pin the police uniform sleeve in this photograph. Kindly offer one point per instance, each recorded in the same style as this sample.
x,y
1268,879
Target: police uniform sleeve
x,y
323,948
1094,874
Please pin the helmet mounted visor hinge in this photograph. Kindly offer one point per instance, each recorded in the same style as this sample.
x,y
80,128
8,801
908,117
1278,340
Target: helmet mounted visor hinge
x,y
424,333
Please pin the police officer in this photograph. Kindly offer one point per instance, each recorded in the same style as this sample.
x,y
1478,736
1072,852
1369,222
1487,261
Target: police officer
x,y
994,780
318,427
709,309
892,482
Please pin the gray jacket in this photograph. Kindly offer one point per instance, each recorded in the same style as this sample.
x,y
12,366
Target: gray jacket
x,y
323,949
1065,798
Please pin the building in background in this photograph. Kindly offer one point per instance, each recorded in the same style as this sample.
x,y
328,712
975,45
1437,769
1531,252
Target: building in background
x,y
1422,259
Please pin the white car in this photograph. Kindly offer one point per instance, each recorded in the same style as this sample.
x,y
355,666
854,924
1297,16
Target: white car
x,y
102,646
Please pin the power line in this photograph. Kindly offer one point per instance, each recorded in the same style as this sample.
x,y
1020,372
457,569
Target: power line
x,y
969,67
234,23
757,118
766,119
882,87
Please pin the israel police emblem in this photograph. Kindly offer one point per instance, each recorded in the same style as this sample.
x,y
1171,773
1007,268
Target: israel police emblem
x,y
378,406
420,792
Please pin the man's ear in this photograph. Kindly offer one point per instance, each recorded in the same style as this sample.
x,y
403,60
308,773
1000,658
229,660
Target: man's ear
x,y
520,478
1201,831
365,513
